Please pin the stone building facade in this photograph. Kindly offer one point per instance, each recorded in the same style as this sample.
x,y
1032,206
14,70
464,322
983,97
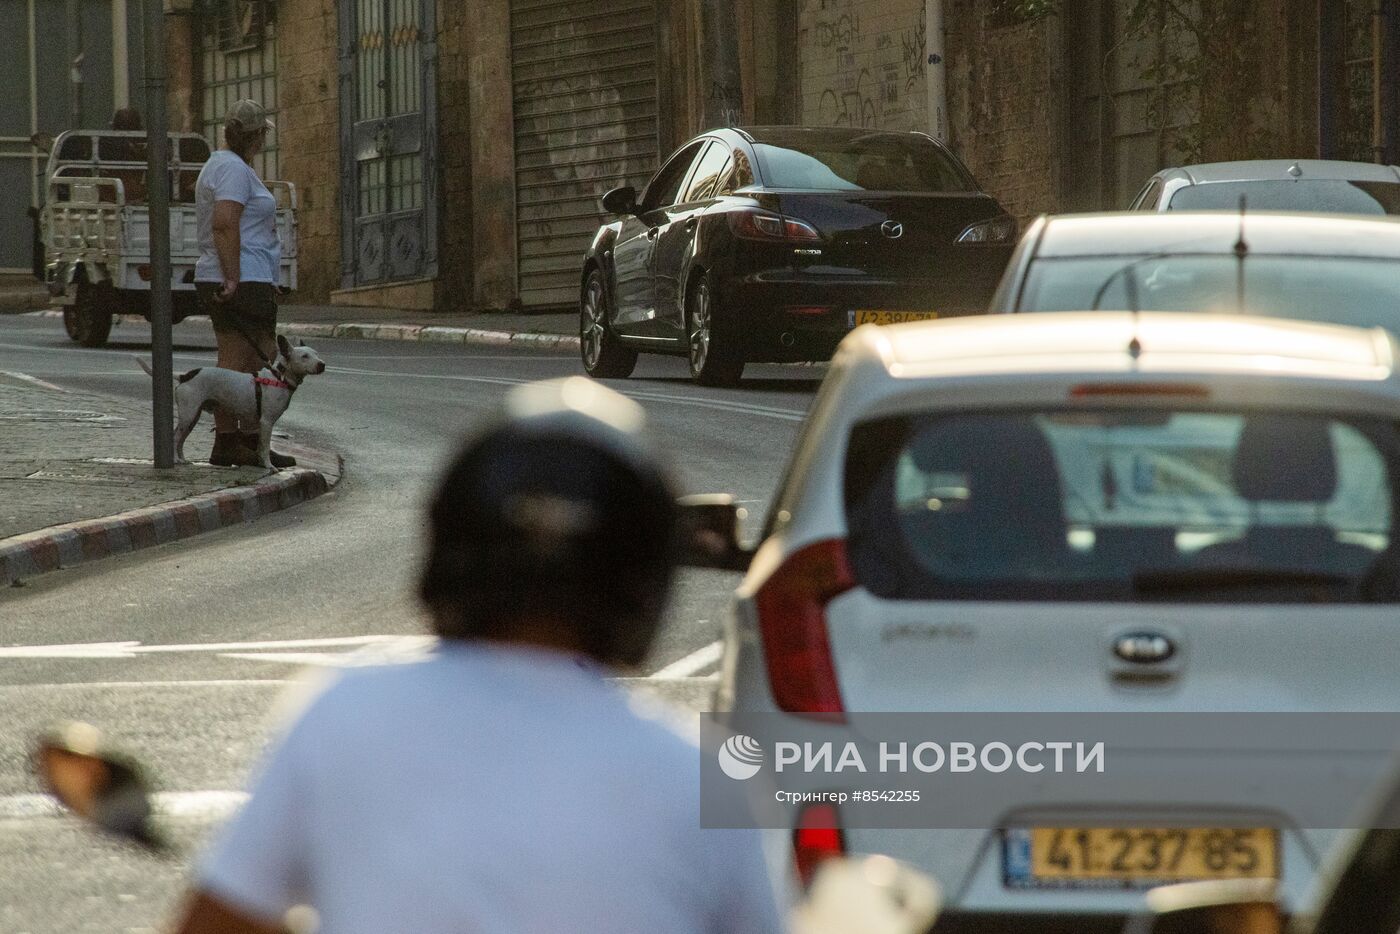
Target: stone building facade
x,y
450,155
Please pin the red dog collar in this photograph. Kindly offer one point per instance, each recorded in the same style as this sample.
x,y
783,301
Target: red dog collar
x,y
276,383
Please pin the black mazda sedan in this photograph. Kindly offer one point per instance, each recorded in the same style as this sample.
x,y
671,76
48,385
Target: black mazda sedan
x,y
771,243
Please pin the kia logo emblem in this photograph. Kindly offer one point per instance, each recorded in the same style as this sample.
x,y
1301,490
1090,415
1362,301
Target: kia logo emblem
x,y
892,229
1144,647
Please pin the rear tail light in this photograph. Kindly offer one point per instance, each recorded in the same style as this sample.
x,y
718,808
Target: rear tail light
x,y
792,624
1090,390
816,839
807,311
753,224
997,230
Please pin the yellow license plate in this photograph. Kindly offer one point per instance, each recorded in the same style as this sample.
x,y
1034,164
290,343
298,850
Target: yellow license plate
x,y
891,317
1144,856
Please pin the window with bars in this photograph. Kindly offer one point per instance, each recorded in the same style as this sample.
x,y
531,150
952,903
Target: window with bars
x,y
239,51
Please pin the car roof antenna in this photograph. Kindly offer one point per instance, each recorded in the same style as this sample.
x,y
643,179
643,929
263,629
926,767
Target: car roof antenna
x,y
1241,251
1135,307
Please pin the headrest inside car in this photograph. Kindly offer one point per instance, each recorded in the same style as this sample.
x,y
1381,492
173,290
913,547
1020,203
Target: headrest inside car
x,y
1285,459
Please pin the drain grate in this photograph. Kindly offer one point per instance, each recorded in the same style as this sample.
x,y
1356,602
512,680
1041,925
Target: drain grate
x,y
58,415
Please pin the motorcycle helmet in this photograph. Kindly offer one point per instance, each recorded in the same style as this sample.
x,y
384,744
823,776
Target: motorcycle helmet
x,y
557,511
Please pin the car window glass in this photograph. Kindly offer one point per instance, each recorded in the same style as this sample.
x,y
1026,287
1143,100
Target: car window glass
x,y
872,162
1320,195
1147,198
707,174
740,173
665,187
1112,504
76,147
1275,286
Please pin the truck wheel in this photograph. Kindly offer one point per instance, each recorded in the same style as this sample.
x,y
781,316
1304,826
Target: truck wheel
x,y
89,319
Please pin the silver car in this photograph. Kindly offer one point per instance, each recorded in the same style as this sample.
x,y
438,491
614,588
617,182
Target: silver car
x,y
977,506
1341,270
1323,186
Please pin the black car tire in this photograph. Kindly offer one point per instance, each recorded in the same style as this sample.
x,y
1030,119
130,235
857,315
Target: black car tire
x,y
710,346
89,319
604,357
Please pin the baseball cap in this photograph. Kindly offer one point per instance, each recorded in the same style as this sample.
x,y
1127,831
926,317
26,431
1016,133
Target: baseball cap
x,y
247,115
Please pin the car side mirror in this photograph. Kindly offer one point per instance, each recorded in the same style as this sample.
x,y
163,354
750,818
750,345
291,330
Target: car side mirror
x,y
868,895
710,532
621,201
105,789
1234,906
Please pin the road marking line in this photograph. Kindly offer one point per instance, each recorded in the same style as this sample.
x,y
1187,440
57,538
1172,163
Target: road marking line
x,y
32,380
744,408
132,649
693,663
187,805
105,685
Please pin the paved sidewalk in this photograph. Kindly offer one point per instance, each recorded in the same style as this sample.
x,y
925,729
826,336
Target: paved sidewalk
x,y
76,481
22,296
527,331
514,322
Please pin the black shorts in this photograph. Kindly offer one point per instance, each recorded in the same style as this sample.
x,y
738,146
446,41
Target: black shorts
x,y
252,310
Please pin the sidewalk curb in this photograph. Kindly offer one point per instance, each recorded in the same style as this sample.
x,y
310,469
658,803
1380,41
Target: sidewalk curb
x,y
480,337
73,543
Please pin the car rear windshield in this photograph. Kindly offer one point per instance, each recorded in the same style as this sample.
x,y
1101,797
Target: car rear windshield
x,y
873,162
1304,287
1320,195
1125,505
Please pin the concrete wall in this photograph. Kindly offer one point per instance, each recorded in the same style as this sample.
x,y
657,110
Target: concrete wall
x,y
458,232
309,137
863,64
1005,103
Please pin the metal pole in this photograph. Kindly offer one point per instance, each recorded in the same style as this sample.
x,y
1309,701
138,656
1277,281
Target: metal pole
x,y
75,64
158,204
937,71
121,77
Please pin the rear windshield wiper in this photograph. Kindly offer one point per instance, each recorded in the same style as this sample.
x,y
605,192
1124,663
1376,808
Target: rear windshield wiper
x,y
1191,579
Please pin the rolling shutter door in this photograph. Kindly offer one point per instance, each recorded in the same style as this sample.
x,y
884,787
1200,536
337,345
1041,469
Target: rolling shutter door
x,y
584,80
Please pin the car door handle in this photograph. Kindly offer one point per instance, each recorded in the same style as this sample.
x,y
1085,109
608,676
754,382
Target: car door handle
x,y
651,233
690,224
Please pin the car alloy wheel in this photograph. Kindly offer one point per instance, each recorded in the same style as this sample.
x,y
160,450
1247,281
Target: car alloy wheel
x,y
711,344
591,324
699,329
604,357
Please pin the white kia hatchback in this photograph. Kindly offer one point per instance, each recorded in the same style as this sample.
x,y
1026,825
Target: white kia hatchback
x,y
1081,512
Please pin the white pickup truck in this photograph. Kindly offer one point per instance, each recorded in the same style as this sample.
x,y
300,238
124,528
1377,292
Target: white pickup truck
x,y
95,227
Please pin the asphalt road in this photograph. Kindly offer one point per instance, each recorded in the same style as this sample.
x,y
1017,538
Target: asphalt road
x,y
179,653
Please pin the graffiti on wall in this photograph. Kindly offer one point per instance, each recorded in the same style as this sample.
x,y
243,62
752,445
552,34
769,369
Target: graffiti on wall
x,y
864,65
567,157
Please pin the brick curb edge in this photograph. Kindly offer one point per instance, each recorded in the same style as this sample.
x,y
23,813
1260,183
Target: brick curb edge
x,y
74,543
409,332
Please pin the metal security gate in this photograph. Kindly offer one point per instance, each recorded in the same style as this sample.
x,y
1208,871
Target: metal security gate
x,y
584,74
388,125
238,47
35,68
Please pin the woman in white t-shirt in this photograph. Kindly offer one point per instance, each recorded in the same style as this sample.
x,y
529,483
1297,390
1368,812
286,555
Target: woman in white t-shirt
x,y
239,268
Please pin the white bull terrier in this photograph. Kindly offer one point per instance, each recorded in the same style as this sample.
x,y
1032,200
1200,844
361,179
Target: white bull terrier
x,y
260,397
